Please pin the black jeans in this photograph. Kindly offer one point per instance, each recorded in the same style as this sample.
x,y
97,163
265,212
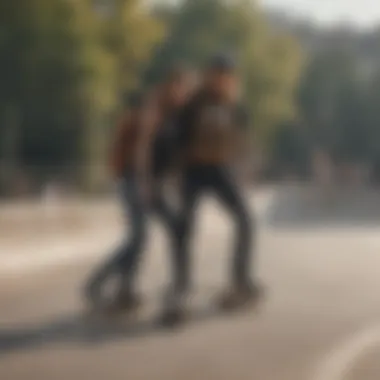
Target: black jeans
x,y
126,259
216,179
160,204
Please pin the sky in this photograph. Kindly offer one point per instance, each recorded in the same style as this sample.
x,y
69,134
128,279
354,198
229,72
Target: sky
x,y
362,13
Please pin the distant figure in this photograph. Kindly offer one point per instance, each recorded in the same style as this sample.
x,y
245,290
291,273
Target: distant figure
x,y
130,165
212,130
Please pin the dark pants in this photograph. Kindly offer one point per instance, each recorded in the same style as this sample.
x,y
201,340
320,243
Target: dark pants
x,y
163,159
126,259
216,179
160,204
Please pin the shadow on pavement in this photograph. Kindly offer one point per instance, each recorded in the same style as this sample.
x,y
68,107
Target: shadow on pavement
x,y
77,329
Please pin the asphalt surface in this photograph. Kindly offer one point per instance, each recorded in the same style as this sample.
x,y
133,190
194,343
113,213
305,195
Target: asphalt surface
x,y
320,321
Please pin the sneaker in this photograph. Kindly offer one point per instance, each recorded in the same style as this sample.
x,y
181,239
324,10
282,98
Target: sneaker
x,y
125,302
241,296
94,289
175,311
92,295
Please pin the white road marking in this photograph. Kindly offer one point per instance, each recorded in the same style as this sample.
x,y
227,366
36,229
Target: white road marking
x,y
337,364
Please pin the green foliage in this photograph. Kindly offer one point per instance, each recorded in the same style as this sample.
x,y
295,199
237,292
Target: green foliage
x,y
270,64
334,107
130,34
65,65
55,74
62,69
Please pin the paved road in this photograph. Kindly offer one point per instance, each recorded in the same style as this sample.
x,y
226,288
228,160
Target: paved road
x,y
322,315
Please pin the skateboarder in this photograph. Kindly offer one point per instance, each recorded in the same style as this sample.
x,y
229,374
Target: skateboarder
x,y
213,126
130,165
142,159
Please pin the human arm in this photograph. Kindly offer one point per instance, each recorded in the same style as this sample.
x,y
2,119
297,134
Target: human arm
x,y
185,125
118,151
144,147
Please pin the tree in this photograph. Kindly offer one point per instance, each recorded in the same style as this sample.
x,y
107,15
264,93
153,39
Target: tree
x,y
130,34
56,76
332,103
269,63
291,151
62,68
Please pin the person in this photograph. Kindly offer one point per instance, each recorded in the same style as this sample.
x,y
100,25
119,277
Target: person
x,y
168,99
212,129
130,165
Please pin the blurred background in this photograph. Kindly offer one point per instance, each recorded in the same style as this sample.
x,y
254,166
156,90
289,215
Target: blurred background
x,y
311,78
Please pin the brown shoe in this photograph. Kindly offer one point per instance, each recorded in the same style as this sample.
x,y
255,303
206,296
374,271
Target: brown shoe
x,y
125,302
175,311
240,297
